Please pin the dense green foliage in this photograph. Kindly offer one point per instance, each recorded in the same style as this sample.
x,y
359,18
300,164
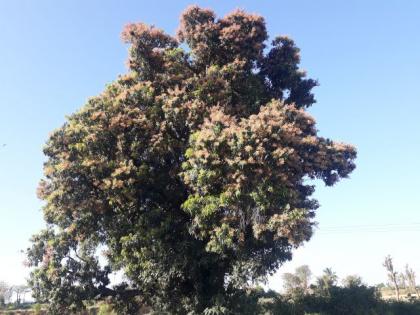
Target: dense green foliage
x,y
301,297
190,173
358,300
326,297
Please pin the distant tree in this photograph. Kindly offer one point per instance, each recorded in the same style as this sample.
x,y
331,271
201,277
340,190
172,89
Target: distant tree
x,y
410,275
352,281
353,298
20,291
5,293
392,275
291,283
327,280
191,172
380,286
402,283
298,282
304,274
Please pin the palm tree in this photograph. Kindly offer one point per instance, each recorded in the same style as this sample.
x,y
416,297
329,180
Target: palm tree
x,y
327,280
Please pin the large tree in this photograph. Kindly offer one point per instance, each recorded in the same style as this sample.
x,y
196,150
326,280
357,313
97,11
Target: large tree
x,y
191,172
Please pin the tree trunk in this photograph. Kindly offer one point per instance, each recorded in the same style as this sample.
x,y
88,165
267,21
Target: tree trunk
x,y
397,292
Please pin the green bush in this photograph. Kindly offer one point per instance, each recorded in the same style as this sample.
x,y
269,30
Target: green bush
x,y
37,308
105,309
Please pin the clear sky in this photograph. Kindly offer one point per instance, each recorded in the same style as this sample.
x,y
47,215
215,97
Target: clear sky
x,y
365,54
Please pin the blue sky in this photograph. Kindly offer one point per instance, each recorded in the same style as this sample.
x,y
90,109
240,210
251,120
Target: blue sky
x,y
365,54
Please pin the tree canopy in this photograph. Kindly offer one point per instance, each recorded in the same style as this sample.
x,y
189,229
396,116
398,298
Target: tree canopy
x,y
190,174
